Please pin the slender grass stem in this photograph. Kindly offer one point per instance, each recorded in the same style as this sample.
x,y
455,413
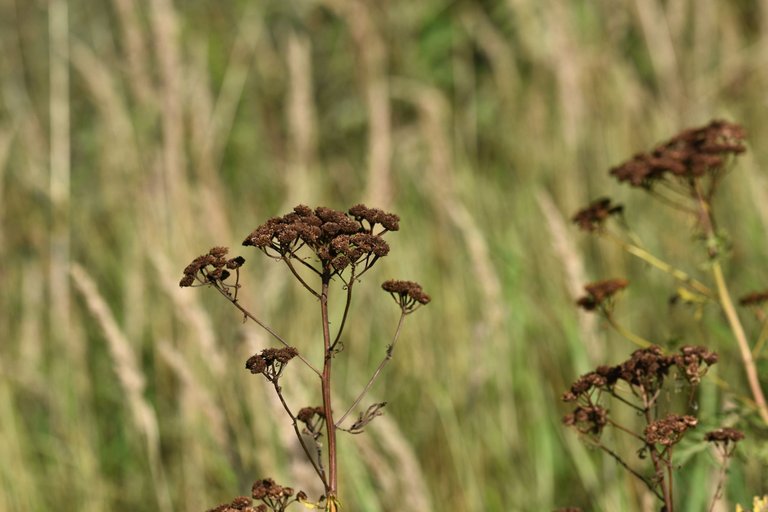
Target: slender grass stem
x,y
634,338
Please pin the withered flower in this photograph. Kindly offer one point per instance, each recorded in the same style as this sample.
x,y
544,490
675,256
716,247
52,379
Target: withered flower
x,y
593,216
692,154
693,362
270,362
210,267
670,430
754,299
407,294
724,436
273,496
599,293
338,239
588,419
312,417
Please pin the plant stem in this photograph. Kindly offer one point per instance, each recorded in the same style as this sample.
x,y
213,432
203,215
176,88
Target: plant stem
x,y
383,363
741,339
652,260
634,338
325,379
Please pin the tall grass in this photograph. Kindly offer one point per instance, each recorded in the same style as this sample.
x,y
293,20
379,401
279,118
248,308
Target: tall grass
x,y
133,134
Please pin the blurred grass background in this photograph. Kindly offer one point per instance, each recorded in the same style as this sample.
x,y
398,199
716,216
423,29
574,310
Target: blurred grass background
x,y
134,135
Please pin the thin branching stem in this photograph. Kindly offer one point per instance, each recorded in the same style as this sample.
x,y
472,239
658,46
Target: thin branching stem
x,y
331,484
634,338
652,260
319,470
382,364
263,325
347,303
287,260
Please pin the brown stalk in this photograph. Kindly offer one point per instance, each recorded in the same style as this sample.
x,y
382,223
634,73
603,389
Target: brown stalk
x,y
331,484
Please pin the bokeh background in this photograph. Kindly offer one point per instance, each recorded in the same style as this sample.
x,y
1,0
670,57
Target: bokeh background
x,y
134,135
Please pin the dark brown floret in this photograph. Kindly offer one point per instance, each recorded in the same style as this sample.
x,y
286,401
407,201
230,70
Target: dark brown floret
x,y
669,430
599,293
693,362
210,267
724,435
408,294
267,488
754,299
270,362
588,419
593,216
338,239
690,154
307,414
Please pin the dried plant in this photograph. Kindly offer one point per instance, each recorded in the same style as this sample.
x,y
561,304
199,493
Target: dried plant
x,y
320,247
684,173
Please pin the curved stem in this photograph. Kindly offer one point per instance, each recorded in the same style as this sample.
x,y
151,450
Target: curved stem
x,y
741,340
318,469
634,338
652,260
263,326
348,301
382,364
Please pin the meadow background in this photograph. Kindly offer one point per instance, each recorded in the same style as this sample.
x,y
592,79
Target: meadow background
x,y
135,135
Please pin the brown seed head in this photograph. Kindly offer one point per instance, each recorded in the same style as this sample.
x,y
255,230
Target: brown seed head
x,y
600,293
754,299
408,294
724,435
588,419
670,430
594,216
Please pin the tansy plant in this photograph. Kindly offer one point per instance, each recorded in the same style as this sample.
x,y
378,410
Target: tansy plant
x,y
327,251
684,173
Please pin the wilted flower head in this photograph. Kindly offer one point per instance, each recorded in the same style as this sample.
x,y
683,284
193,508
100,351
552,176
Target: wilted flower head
x,y
600,293
338,239
407,294
275,496
693,362
670,430
270,362
239,504
210,267
724,435
593,216
754,299
691,154
588,419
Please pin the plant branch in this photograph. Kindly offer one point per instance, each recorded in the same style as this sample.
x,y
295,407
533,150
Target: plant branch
x,y
348,301
262,325
331,484
382,364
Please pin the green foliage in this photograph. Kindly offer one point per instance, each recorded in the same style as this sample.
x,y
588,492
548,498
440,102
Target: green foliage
x,y
201,127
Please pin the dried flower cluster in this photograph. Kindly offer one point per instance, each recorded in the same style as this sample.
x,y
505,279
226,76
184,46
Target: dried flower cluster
x,y
646,368
317,245
270,362
754,299
589,419
724,435
210,267
599,293
691,154
670,430
273,496
337,238
594,216
407,294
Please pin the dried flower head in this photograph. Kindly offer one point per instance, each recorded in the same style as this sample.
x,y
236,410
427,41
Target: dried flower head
x,y
338,239
273,496
754,299
670,430
646,368
312,417
270,362
600,293
588,419
603,378
724,435
594,216
693,362
239,504
692,154
210,267
407,294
